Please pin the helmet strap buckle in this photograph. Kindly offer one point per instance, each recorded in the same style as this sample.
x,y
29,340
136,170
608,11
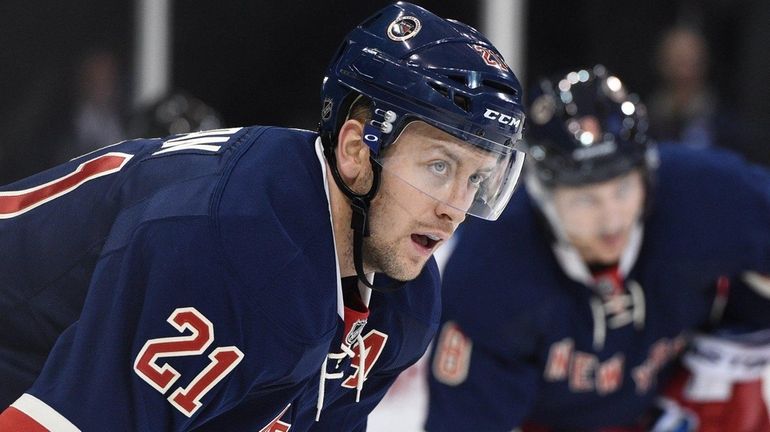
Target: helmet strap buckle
x,y
358,219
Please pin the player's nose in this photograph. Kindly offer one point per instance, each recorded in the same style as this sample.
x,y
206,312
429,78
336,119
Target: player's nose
x,y
449,211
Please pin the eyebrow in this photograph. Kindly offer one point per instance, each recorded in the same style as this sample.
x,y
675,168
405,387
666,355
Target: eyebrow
x,y
442,147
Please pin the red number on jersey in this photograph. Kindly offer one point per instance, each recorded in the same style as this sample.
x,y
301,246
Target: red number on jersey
x,y
277,425
223,360
195,344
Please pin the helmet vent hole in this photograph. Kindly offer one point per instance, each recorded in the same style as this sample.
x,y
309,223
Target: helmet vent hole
x,y
458,79
500,87
440,88
462,102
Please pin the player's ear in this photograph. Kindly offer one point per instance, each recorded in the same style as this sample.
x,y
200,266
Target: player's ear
x,y
351,152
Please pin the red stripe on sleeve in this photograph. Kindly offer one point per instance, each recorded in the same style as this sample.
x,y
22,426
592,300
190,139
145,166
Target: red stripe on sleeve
x,y
13,202
13,420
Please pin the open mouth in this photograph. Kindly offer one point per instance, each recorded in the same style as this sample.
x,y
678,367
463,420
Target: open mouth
x,y
427,241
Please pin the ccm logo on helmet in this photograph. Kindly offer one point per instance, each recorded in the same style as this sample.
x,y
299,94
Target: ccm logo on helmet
x,y
502,118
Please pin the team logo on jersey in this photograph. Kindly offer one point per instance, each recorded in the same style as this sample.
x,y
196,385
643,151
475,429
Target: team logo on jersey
x,y
587,371
326,109
453,355
403,28
355,330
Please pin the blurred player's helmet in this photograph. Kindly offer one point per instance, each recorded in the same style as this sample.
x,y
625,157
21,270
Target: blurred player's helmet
x,y
413,65
584,127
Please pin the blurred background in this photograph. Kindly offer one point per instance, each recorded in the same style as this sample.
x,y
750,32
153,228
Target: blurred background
x,y
78,75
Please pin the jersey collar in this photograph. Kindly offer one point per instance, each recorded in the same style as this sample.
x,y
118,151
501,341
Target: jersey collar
x,y
365,292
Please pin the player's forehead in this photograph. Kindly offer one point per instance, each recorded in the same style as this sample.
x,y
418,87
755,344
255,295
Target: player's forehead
x,y
421,137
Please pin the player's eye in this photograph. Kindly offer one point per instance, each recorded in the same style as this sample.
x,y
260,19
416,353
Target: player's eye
x,y
584,201
624,189
477,179
439,167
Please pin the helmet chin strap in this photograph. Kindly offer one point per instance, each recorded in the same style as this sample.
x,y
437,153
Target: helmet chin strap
x,y
359,221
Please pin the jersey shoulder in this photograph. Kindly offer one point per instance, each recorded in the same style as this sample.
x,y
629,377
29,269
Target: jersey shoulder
x,y
273,219
714,196
502,271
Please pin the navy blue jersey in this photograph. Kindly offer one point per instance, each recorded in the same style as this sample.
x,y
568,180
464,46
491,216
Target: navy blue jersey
x,y
191,283
523,342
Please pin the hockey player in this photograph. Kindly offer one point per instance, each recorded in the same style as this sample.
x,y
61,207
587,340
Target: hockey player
x,y
257,278
569,312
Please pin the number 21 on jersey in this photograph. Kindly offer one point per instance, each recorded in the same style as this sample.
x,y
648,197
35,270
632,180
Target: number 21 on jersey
x,y
162,377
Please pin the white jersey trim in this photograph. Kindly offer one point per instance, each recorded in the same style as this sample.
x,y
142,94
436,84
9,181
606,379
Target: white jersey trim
x,y
758,282
320,154
365,291
40,412
573,265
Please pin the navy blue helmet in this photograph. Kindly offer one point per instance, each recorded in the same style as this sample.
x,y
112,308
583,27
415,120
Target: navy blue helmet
x,y
584,127
413,65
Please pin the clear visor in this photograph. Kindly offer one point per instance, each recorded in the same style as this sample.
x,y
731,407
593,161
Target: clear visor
x,y
472,175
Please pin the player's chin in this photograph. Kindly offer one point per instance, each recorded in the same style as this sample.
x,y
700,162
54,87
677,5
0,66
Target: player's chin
x,y
611,248
609,255
406,271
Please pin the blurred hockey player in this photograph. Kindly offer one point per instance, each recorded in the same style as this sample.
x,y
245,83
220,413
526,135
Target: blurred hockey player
x,y
257,278
570,312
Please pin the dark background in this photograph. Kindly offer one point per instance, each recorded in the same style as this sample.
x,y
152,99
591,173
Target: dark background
x,y
259,62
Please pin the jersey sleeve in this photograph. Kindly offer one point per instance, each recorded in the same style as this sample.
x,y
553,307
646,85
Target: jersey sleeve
x,y
748,302
730,212
472,387
757,181
485,364
162,342
746,204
